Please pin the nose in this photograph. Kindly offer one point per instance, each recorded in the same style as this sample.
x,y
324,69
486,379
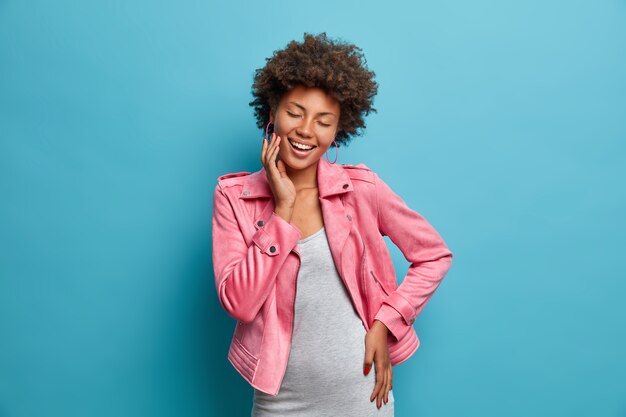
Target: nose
x,y
304,128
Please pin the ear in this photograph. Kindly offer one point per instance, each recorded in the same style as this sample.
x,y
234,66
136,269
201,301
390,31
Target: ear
x,y
271,116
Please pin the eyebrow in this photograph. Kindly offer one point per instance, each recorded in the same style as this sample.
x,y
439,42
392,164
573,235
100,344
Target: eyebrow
x,y
322,113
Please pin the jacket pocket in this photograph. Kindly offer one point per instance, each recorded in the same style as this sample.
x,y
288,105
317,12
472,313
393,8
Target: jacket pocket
x,y
373,291
368,275
380,285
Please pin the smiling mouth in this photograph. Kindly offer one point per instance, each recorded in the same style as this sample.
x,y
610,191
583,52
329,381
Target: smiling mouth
x,y
300,147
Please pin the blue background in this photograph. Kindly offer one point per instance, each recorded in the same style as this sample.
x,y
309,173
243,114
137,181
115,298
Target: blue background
x,y
503,123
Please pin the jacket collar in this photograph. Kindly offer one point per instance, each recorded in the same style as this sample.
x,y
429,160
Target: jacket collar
x,y
331,179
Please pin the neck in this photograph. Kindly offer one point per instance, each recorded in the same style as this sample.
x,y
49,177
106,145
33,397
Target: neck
x,y
303,178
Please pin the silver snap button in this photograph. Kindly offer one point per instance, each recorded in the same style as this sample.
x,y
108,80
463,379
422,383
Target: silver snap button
x,y
246,192
349,217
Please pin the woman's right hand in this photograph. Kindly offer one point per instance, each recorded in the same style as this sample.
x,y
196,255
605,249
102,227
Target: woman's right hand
x,y
282,187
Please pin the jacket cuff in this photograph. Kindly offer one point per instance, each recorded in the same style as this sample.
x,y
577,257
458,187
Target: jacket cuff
x,y
276,234
397,314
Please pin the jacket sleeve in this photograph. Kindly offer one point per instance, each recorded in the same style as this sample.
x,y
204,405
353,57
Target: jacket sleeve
x,y
244,274
423,247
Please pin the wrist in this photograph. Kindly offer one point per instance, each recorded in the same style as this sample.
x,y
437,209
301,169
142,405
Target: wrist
x,y
380,324
284,212
285,204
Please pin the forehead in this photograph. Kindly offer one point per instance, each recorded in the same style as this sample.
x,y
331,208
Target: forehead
x,y
312,98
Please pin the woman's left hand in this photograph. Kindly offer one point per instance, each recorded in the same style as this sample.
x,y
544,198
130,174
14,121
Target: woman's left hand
x,y
376,349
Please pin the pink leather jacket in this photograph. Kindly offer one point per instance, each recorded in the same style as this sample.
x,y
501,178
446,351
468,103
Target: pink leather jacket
x,y
256,262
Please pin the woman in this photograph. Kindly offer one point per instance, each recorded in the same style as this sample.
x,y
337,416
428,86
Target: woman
x,y
298,250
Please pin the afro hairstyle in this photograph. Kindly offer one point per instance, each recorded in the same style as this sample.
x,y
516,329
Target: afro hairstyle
x,y
339,68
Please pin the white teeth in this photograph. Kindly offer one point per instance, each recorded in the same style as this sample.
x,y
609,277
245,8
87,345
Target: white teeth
x,y
300,146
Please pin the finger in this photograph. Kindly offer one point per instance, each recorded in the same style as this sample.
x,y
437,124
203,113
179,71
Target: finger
x,y
388,385
268,148
270,160
369,357
276,145
376,389
274,148
383,390
264,151
381,393
273,157
379,380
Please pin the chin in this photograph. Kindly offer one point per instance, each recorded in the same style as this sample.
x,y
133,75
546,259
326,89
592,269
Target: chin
x,y
298,164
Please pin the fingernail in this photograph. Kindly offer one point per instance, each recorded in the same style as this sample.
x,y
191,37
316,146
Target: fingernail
x,y
366,370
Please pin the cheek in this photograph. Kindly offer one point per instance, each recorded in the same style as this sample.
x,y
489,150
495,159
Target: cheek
x,y
283,125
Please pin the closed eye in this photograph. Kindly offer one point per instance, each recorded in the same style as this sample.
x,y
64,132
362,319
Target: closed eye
x,y
297,115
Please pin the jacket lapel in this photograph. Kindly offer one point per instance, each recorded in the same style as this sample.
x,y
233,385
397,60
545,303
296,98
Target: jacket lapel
x,y
333,182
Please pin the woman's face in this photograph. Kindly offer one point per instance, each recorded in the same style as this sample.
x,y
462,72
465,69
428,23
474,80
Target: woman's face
x,y
309,117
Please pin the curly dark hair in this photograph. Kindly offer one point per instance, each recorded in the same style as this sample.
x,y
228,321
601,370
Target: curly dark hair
x,y
337,67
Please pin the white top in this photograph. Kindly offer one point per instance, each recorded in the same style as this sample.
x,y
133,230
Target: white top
x,y
324,375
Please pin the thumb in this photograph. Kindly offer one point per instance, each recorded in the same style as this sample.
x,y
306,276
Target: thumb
x,y
369,358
